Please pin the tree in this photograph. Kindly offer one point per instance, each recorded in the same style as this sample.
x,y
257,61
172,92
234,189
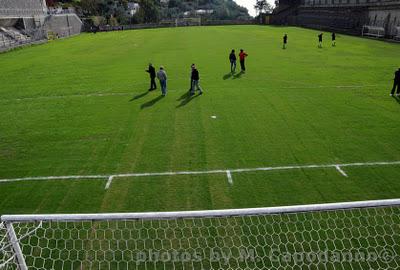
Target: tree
x,y
262,6
149,11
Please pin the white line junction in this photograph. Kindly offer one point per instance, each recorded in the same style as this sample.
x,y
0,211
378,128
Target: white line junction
x,y
227,172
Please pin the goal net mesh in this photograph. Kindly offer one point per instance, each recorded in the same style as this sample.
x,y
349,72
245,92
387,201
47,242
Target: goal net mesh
x,y
354,238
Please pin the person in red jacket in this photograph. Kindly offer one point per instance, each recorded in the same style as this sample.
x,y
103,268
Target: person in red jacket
x,y
242,57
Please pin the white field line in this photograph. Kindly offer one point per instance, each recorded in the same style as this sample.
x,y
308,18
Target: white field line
x,y
229,175
341,171
65,177
110,177
330,86
128,93
71,96
105,94
109,181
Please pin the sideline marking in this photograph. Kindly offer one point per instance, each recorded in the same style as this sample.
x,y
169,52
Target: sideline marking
x,y
70,96
331,86
110,177
341,171
100,94
229,175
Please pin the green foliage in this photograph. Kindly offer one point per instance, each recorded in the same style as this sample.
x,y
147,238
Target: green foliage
x,y
149,11
223,9
262,6
152,11
98,20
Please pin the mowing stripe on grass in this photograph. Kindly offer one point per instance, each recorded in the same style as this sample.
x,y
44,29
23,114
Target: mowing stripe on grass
x,y
228,172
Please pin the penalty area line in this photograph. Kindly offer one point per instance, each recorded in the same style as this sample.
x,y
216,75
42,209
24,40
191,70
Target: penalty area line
x,y
342,172
229,176
227,172
109,181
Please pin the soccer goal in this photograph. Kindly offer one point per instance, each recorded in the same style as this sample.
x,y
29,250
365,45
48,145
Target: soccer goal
x,y
354,235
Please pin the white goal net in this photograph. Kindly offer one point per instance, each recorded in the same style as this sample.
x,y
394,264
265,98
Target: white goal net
x,y
357,235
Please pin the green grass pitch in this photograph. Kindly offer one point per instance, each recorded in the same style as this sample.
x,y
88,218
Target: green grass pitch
x,y
80,106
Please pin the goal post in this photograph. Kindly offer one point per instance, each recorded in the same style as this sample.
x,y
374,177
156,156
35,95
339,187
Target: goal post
x,y
351,235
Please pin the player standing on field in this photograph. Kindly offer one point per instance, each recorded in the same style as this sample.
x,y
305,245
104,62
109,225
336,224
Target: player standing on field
x,y
333,39
320,40
152,71
232,60
195,77
162,77
285,41
242,57
396,83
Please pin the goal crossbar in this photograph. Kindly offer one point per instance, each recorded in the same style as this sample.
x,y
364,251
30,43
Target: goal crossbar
x,y
203,214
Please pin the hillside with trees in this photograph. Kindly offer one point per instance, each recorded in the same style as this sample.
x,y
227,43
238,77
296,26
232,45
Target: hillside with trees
x,y
116,12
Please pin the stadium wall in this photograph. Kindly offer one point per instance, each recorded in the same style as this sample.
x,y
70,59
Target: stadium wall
x,y
64,25
24,22
341,15
22,8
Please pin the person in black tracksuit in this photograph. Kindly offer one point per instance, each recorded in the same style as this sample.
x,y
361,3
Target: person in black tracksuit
x,y
285,37
333,39
320,40
232,60
152,72
396,83
195,77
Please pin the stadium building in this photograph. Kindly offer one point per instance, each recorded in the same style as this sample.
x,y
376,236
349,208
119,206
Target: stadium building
x,y
27,21
380,18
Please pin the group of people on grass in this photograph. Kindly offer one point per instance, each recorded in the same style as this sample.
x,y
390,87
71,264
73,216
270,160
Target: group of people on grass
x,y
195,75
320,39
242,57
161,74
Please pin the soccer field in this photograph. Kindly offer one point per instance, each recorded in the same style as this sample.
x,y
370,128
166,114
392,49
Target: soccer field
x,y
80,107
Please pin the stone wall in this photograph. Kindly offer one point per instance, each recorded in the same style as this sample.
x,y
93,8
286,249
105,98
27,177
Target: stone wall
x,y
64,25
22,8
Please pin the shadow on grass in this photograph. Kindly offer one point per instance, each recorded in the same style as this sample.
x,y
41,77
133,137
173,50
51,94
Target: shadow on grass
x,y
185,99
139,96
151,102
239,75
396,98
228,75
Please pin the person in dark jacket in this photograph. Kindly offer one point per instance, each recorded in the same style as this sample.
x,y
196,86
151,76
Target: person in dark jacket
x,y
191,81
320,40
333,39
285,41
232,60
195,81
152,71
396,83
